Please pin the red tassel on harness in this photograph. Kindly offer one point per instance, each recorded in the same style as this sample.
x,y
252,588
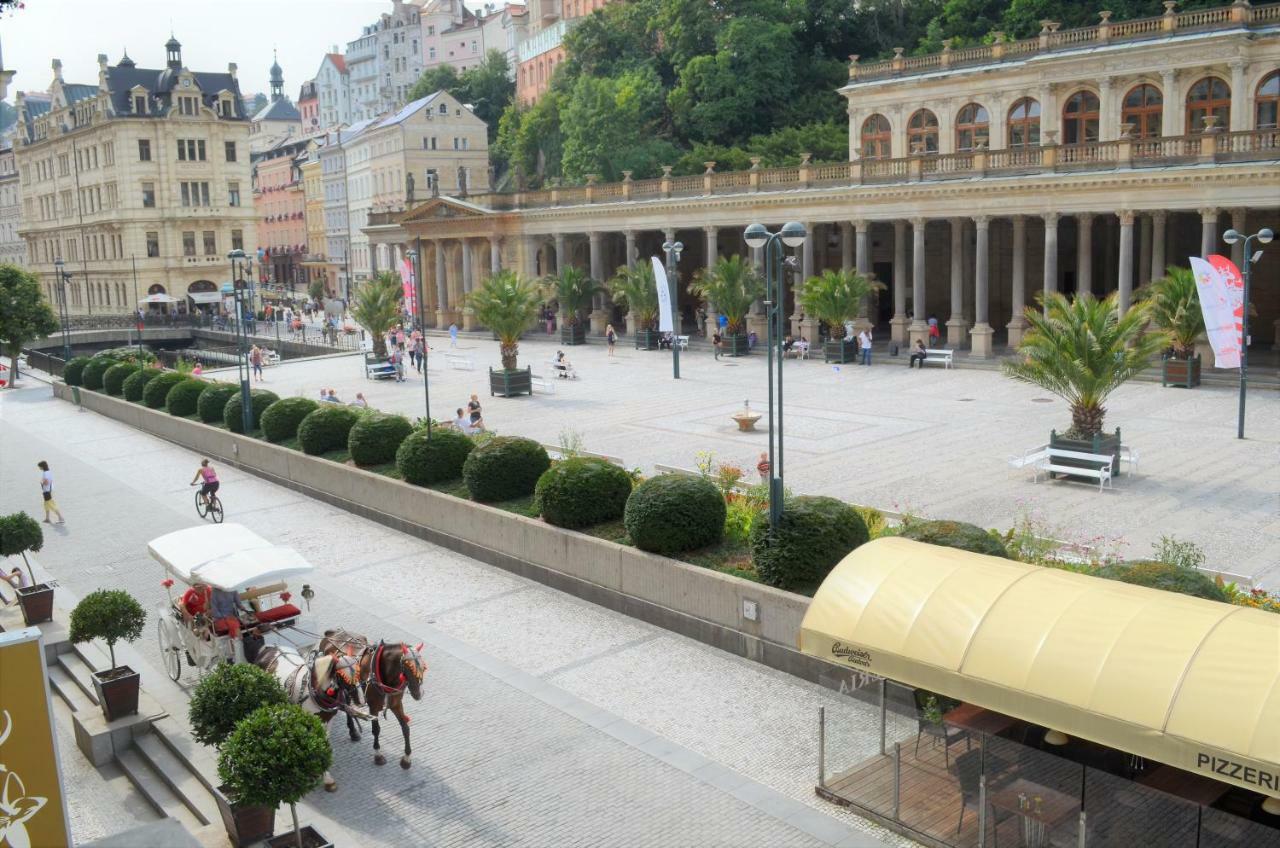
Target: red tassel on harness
x,y
402,678
167,582
330,692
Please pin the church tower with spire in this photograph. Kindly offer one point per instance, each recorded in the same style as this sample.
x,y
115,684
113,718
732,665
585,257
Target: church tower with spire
x,y
279,120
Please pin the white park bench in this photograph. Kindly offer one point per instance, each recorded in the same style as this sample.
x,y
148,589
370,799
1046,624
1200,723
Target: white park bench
x,y
542,384
683,341
1099,467
1031,457
562,368
943,357
460,361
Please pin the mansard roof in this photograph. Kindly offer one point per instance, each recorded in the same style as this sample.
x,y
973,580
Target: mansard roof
x,y
159,84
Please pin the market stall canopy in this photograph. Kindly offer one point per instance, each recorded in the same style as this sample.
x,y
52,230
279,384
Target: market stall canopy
x,y
158,298
205,297
226,556
1185,681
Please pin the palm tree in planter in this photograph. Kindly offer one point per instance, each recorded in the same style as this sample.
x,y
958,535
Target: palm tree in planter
x,y
835,297
508,305
379,304
276,755
20,533
111,615
636,289
732,285
1175,308
573,288
1082,350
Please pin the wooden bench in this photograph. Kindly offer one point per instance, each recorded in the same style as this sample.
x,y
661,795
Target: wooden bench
x,y
460,361
943,357
542,384
1099,467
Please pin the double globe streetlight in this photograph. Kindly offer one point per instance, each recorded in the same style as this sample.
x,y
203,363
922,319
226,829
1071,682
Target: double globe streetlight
x,y
241,265
1263,236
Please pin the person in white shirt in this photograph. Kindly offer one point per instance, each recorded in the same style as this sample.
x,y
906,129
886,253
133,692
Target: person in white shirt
x,y
360,401
46,491
864,342
463,423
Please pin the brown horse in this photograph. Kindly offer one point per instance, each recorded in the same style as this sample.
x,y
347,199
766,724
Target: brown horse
x,y
386,671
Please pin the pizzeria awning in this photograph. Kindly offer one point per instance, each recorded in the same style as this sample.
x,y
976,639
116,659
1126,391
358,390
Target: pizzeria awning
x,y
1185,681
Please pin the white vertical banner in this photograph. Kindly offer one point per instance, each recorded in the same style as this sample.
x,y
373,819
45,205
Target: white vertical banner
x,y
1222,301
665,322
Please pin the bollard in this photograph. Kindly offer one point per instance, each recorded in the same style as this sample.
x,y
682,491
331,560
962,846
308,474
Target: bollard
x,y
822,747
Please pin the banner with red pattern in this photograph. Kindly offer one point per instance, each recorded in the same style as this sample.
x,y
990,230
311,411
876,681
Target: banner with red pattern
x,y
410,290
1221,290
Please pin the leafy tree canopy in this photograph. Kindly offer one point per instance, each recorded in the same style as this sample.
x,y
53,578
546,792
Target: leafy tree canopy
x,y
488,88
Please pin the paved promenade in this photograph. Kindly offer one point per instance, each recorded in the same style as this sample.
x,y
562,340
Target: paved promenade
x,y
546,721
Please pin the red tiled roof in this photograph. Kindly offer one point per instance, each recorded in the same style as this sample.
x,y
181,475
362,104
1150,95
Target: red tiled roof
x,y
338,61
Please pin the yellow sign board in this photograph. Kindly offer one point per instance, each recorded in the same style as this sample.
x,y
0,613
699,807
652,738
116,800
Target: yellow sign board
x,y
32,809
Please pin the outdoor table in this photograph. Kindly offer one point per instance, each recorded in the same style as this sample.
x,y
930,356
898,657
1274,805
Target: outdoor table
x,y
1038,820
979,719
1193,787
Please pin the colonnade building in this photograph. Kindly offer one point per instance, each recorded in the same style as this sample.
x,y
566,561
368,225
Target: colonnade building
x,y
1082,160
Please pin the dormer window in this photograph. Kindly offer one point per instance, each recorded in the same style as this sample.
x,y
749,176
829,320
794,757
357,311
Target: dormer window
x,y
187,105
139,104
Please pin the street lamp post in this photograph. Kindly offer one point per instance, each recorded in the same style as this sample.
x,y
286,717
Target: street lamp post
x,y
236,288
415,281
1263,236
792,234
63,276
673,249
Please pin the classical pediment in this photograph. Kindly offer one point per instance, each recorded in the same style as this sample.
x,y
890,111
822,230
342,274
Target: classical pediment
x,y
443,208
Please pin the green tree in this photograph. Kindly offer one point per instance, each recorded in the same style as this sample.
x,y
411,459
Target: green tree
x,y
378,306
1175,308
732,286
604,117
24,313
573,288
636,289
439,78
111,615
316,289
20,533
507,305
488,87
835,297
1082,350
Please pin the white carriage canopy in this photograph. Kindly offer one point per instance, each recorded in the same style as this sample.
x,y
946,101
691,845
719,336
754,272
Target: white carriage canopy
x,y
226,556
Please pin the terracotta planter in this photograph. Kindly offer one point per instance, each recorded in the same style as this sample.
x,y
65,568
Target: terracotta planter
x,y
37,603
1179,372
246,825
117,691
311,838
511,383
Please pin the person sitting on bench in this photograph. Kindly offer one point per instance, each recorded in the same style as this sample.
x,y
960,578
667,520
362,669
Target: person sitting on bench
x,y
918,354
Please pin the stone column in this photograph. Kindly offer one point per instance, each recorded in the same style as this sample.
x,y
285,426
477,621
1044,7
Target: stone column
x,y
1239,223
1208,231
1158,227
1241,115
982,331
757,321
529,259
630,236
444,315
898,324
846,246
797,280
957,327
1144,250
1125,275
919,328
495,254
561,257
599,314
862,264
1108,124
1050,253
1018,303
1171,116
711,249
1084,254
809,327
468,284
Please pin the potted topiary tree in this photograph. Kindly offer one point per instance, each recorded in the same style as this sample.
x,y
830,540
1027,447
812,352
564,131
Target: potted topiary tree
x,y
732,286
111,615
507,305
636,289
276,756
836,298
225,697
1175,308
573,289
20,533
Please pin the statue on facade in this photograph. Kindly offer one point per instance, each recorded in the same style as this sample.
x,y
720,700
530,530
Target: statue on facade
x,y
408,188
462,181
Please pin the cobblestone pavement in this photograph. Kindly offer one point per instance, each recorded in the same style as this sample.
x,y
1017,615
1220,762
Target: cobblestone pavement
x,y
933,442
545,721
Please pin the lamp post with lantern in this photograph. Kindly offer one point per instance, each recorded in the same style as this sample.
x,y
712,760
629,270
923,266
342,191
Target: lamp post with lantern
x,y
62,280
241,265
1263,236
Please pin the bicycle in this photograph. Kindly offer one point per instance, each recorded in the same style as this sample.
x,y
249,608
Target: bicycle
x,y
212,507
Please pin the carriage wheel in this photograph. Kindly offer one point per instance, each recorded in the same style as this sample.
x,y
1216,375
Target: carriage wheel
x,y
215,509
201,509
169,653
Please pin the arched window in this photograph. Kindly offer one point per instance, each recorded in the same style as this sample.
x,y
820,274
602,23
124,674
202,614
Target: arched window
x,y
1268,102
1210,96
876,137
1080,118
922,133
1024,123
973,128
1144,108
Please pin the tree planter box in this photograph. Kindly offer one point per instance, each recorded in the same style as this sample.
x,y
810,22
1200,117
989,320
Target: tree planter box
x,y
573,334
1104,443
511,383
311,838
735,345
246,825
1183,373
117,691
647,339
37,603
840,351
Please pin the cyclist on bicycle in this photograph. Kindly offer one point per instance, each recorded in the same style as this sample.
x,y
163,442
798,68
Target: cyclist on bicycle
x,y
210,484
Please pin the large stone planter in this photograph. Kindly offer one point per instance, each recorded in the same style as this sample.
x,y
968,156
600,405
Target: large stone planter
x,y
573,334
840,351
647,339
1102,443
1179,372
511,383
735,345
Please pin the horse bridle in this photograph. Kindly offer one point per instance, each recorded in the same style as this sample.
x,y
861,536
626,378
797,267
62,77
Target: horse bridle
x,y
416,666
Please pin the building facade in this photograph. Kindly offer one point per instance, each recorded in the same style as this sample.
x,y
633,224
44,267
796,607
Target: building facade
x,y
399,44
278,120
309,108
333,90
280,204
451,35
542,50
147,171
13,249
315,260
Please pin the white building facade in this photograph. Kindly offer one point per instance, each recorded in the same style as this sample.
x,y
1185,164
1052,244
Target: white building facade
x,y
12,248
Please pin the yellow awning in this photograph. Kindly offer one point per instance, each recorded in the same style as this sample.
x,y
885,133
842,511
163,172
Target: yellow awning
x,y
1185,681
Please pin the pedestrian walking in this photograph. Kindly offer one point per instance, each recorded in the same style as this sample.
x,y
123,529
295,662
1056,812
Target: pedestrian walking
x,y
864,342
46,492
610,336
473,409
396,358
716,339
417,347
255,359
453,335
549,318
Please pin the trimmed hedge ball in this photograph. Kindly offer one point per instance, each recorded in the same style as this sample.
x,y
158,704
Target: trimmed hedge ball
x,y
281,419
136,383
1170,578
184,397
158,388
326,428
672,513
375,438
504,468
815,533
113,379
582,491
955,534
74,370
259,400
422,461
94,371
213,401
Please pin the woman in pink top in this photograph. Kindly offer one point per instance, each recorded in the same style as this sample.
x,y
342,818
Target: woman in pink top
x,y
210,476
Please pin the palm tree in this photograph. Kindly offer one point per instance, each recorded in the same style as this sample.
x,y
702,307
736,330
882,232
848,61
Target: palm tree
x,y
1082,350
507,305
635,289
378,306
573,288
732,285
836,297
1175,308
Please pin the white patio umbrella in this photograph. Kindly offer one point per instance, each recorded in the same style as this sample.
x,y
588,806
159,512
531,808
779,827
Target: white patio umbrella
x,y
158,298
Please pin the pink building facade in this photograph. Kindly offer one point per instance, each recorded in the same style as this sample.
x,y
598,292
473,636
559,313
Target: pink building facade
x,y
280,202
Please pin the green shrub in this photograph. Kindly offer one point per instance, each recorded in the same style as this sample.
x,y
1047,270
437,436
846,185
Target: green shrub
x,y
185,396
127,353
259,400
326,429
955,534
814,534
94,371
20,533
422,461
376,436
213,401
1161,575
113,379
158,387
582,491
506,467
136,383
281,419
74,370
226,696
111,615
672,513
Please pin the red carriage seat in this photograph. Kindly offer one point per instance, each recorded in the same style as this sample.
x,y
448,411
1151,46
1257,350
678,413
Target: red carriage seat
x,y
278,613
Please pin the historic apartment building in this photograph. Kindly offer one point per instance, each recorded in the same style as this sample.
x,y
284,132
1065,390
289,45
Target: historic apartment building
x,y
139,183
314,259
12,248
279,201
1081,160
541,50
